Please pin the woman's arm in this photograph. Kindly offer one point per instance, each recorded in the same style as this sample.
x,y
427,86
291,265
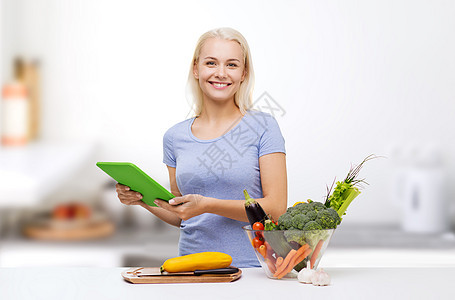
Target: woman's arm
x,y
134,198
274,188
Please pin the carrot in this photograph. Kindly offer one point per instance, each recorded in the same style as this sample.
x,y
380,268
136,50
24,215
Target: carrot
x,y
279,261
291,266
300,255
285,262
302,249
271,265
316,251
263,251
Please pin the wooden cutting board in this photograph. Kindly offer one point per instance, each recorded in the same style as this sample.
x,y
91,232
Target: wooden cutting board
x,y
70,233
130,276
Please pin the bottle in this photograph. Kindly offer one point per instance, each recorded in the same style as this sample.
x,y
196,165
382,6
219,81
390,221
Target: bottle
x,y
27,73
15,114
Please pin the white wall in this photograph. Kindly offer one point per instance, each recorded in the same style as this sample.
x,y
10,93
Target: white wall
x,y
354,78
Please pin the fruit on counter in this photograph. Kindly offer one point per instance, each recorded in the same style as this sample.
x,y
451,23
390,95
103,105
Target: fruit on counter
x,y
61,212
71,211
345,191
253,209
197,261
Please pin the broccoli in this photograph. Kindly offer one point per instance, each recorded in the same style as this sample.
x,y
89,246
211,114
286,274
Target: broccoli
x,y
285,221
298,221
313,237
328,218
301,207
318,206
302,224
295,236
312,225
309,216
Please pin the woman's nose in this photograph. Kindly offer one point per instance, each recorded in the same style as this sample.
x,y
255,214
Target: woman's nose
x,y
221,72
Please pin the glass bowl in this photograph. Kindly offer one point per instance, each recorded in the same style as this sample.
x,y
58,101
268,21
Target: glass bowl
x,y
273,249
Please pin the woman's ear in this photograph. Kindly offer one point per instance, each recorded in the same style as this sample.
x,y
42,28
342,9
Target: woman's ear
x,y
195,71
243,75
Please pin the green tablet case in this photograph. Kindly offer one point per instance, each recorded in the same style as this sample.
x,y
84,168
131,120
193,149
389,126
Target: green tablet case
x,y
129,174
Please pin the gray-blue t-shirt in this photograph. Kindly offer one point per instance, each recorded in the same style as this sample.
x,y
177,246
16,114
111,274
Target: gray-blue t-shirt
x,y
221,168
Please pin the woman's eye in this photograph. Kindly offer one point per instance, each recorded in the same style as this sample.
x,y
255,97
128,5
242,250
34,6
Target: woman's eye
x,y
232,65
210,63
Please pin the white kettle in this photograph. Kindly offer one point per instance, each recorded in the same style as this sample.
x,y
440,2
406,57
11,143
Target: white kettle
x,y
425,208
425,196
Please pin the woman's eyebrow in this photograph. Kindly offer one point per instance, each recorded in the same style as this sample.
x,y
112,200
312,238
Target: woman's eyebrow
x,y
214,58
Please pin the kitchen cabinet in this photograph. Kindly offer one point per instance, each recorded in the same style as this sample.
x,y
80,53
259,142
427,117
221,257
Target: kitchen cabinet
x,y
347,283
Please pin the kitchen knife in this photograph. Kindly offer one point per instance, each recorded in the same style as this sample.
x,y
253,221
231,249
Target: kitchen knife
x,y
157,272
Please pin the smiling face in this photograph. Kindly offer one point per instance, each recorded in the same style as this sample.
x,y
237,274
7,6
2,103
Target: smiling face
x,y
220,69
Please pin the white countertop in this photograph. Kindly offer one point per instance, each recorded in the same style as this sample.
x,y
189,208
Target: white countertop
x,y
347,283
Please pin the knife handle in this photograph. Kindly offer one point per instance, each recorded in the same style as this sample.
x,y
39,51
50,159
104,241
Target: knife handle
x,y
217,271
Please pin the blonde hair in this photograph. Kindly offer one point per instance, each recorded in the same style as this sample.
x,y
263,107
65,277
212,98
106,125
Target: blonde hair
x,y
244,96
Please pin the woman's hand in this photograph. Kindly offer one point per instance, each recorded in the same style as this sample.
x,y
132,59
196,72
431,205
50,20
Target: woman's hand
x,y
185,207
127,196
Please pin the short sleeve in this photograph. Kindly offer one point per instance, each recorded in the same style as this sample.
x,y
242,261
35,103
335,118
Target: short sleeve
x,y
272,140
168,149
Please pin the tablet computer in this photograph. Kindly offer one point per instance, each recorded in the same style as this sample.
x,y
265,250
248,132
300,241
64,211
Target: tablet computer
x,y
129,174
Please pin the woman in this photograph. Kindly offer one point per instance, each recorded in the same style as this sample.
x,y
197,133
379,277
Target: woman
x,y
214,156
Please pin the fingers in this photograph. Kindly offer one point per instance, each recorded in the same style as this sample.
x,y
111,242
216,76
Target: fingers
x,y
163,204
122,187
184,207
127,196
177,201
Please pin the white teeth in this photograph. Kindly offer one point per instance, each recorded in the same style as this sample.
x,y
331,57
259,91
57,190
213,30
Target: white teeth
x,y
220,84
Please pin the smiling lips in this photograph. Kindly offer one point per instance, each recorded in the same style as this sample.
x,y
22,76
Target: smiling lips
x,y
220,85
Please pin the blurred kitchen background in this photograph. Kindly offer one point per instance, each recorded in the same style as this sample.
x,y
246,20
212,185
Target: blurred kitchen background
x,y
87,81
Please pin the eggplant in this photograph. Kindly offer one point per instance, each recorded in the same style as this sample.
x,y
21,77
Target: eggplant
x,y
254,211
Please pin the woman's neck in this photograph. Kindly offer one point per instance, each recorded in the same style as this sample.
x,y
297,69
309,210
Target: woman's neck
x,y
214,112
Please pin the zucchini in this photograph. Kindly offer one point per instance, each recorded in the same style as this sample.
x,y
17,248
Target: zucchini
x,y
197,261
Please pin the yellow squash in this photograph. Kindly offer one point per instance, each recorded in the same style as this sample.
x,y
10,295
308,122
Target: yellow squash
x,y
197,261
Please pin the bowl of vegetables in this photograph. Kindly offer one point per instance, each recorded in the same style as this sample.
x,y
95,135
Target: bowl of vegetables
x,y
296,241
301,235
